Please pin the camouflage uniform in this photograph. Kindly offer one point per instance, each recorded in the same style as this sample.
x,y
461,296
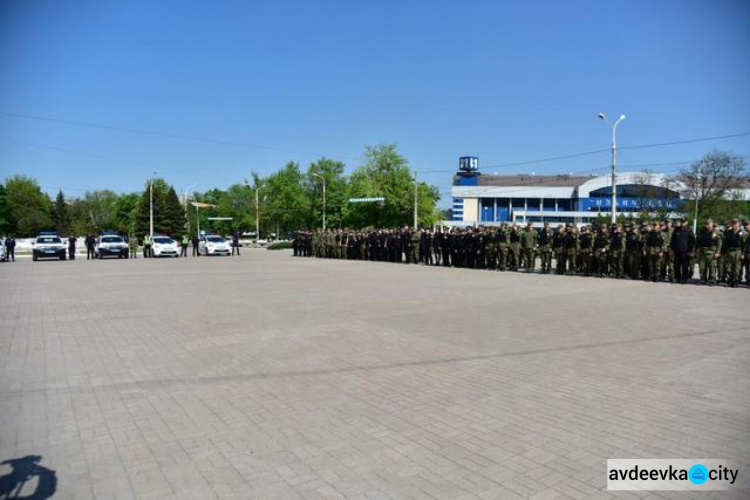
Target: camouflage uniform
x,y
545,248
708,248
528,246
656,246
734,243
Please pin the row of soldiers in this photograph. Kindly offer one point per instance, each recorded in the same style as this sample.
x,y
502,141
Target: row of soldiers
x,y
655,251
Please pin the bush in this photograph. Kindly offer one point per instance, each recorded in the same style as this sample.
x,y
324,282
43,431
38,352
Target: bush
x,y
279,245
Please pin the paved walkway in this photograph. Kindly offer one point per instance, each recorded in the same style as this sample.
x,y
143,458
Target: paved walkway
x,y
267,376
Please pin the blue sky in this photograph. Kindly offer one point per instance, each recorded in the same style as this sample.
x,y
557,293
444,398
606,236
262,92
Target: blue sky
x,y
294,80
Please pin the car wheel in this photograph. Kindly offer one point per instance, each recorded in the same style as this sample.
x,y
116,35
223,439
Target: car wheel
x,y
34,258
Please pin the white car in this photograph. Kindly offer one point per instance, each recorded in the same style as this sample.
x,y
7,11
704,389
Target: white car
x,y
48,246
110,245
214,245
3,251
164,246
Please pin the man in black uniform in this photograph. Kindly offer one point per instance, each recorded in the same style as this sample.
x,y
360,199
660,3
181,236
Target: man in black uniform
x,y
10,247
90,242
72,247
681,244
236,243
586,251
426,247
196,246
406,243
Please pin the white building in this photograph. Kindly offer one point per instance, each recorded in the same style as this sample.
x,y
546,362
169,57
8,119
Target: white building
x,y
492,199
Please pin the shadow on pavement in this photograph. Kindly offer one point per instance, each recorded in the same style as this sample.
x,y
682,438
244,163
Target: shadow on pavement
x,y
27,480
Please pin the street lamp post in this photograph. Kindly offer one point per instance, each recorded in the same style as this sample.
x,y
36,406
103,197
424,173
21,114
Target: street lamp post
x,y
257,213
698,194
185,194
614,162
416,201
185,204
151,206
324,198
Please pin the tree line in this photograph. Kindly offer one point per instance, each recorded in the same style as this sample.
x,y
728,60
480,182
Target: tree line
x,y
288,199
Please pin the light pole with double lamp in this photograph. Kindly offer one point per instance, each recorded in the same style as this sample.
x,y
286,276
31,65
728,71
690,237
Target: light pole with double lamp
x,y
614,162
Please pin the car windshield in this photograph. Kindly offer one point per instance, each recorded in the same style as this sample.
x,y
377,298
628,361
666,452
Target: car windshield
x,y
111,239
49,239
163,241
215,239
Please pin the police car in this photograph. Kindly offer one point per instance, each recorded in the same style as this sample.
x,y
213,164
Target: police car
x,y
214,245
48,245
164,246
110,244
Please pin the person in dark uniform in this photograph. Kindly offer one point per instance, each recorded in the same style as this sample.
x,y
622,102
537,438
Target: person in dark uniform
x,y
90,241
236,243
72,247
196,246
10,247
735,240
426,247
633,249
680,245
406,243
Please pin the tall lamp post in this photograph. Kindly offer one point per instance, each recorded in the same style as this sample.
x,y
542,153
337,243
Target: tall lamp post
x,y
185,204
151,206
416,201
257,213
614,161
323,179
698,194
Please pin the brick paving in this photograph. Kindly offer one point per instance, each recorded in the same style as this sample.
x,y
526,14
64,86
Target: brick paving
x,y
267,376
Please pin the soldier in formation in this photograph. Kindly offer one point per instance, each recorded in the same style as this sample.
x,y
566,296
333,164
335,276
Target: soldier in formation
x,y
655,251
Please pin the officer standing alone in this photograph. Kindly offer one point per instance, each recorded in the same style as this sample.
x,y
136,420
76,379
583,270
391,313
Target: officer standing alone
x,y
236,243
184,245
147,246
196,247
72,247
133,246
89,242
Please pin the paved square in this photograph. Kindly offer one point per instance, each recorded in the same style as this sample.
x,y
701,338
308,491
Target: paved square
x,y
269,376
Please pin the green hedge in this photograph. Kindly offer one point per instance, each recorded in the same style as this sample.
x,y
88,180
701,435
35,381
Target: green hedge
x,y
279,245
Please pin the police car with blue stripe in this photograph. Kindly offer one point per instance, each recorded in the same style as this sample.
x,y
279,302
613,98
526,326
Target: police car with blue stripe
x,y
110,244
48,245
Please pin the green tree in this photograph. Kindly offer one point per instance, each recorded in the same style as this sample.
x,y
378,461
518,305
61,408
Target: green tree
x,y
386,173
126,207
199,218
169,214
287,204
94,212
174,214
61,214
4,211
714,181
337,192
236,202
28,208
